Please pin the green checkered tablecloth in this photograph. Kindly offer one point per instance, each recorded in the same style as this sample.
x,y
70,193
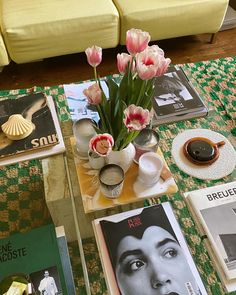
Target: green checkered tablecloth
x,y
22,204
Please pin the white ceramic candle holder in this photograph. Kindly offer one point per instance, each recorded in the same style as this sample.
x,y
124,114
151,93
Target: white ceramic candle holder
x,y
150,167
95,161
83,131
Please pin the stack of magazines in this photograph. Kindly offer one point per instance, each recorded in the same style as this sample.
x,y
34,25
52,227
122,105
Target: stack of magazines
x,y
176,99
214,211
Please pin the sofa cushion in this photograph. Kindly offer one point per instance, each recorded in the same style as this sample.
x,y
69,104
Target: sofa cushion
x,y
36,29
4,59
171,18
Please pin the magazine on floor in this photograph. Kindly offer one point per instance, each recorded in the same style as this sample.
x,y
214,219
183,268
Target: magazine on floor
x,y
143,251
214,210
44,139
33,260
175,98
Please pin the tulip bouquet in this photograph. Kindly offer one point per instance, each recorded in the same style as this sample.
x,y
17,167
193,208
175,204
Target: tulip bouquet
x,y
127,110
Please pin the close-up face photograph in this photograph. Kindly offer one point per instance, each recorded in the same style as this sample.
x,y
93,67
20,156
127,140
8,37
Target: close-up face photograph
x,y
155,264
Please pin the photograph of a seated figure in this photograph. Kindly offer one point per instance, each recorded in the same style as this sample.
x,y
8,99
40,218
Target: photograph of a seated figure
x,y
170,90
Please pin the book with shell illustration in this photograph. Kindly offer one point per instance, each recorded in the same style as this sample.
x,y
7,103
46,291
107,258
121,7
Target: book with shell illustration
x,y
28,124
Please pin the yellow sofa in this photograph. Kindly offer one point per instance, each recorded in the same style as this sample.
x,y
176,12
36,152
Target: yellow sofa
x,y
36,29
165,19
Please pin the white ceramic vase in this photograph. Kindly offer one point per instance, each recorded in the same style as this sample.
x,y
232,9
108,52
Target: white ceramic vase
x,y
123,158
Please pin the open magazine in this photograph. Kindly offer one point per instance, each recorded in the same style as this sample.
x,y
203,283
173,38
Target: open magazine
x,y
143,251
214,210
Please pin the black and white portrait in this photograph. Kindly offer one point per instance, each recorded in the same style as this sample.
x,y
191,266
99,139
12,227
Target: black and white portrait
x,y
47,281
170,90
148,259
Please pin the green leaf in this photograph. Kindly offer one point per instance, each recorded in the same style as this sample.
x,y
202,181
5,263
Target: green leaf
x,y
98,130
120,138
123,93
113,88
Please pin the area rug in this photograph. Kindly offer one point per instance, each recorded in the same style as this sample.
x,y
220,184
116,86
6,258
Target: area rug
x,y
22,204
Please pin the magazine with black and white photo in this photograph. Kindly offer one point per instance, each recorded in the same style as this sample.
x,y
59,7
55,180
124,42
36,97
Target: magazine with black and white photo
x,y
46,136
175,99
175,96
214,210
143,251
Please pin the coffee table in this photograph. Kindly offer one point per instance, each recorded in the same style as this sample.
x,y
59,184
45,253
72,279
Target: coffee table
x,y
215,83
79,223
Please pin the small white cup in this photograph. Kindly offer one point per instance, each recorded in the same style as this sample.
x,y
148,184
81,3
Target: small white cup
x,y
95,161
150,167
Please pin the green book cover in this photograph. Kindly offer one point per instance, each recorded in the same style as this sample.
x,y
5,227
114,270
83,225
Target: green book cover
x,y
32,257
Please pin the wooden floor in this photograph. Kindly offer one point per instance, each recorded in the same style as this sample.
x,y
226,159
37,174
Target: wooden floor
x,y
72,68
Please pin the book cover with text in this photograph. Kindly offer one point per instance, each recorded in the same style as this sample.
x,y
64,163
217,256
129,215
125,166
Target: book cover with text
x,y
35,257
175,96
215,211
35,109
143,251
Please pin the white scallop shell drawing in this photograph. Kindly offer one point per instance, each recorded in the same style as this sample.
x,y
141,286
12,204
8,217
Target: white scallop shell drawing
x,y
17,127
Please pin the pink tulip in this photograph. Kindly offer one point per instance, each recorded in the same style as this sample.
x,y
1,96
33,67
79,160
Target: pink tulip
x,y
136,118
151,63
93,94
136,41
101,144
94,55
146,64
163,64
156,49
122,61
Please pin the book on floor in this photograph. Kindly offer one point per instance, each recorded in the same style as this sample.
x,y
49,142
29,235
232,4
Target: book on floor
x,y
45,138
34,258
143,251
175,98
65,260
214,211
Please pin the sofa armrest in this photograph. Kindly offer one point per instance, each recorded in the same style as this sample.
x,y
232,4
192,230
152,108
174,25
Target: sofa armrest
x,y
4,58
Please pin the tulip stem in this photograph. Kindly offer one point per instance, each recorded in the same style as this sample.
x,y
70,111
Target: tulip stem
x,y
142,90
95,74
130,137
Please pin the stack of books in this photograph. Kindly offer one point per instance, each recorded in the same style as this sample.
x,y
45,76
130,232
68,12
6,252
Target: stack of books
x,y
214,211
36,262
176,99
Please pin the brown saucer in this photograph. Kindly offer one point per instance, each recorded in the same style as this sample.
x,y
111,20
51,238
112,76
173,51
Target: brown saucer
x,y
201,150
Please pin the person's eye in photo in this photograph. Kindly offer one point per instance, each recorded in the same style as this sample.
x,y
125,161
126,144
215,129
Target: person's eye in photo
x,y
136,264
132,265
170,253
